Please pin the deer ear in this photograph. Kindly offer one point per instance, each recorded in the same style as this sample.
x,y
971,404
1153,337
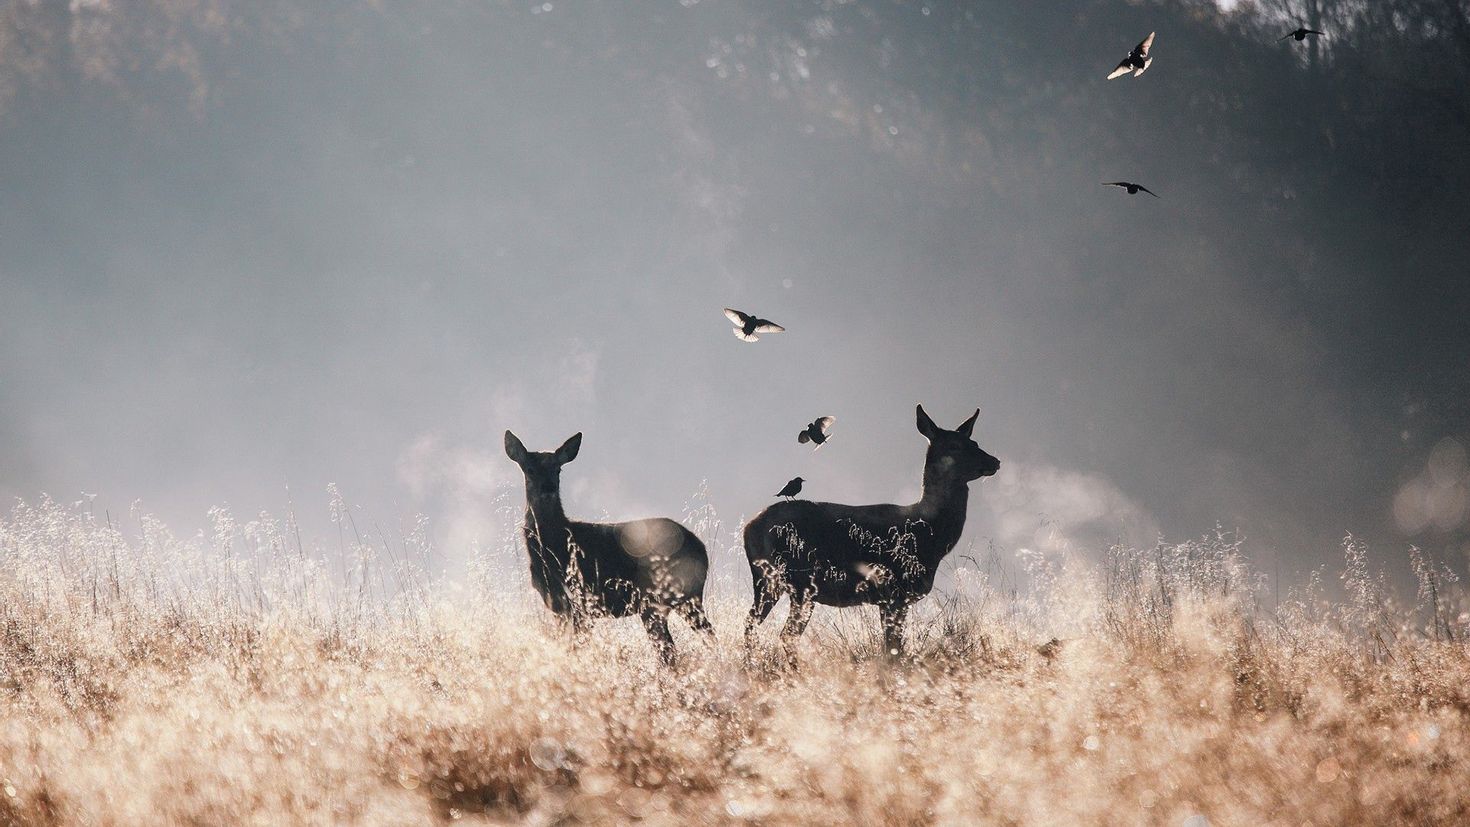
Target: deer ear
x,y
568,450
968,426
926,425
513,447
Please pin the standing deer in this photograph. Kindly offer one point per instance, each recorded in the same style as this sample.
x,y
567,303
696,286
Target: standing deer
x,y
584,570
846,555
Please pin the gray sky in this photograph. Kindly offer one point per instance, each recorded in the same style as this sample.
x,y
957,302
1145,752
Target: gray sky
x,y
355,246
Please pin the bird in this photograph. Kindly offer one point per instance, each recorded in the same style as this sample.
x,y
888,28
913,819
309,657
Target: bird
x,y
1132,188
1137,60
1051,648
817,432
1301,34
791,489
746,325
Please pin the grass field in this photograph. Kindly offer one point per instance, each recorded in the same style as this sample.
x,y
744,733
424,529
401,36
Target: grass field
x,y
235,679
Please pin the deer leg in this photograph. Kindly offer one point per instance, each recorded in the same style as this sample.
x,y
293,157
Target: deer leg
x,y
693,612
765,600
571,626
796,621
578,623
656,621
892,616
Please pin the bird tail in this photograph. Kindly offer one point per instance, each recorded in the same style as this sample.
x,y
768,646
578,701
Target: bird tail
x,y
803,437
743,336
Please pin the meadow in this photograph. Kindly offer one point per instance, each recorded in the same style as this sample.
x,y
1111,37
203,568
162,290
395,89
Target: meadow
x,y
240,677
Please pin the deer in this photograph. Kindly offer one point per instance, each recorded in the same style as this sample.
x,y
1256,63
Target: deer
x,y
588,570
847,555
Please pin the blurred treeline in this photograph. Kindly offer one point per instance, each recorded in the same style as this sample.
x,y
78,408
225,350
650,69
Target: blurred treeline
x,y
1332,176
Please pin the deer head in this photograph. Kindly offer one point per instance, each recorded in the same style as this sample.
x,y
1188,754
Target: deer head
x,y
542,469
953,456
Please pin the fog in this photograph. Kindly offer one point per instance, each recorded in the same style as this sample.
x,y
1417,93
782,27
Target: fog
x,y
249,249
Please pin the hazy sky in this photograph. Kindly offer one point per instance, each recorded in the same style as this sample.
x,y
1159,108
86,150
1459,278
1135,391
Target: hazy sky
x,y
356,249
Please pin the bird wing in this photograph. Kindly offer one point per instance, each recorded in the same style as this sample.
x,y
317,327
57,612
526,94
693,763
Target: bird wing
x,y
768,326
743,336
825,423
1147,44
1147,190
1123,184
736,317
1314,31
1123,69
1147,61
1286,36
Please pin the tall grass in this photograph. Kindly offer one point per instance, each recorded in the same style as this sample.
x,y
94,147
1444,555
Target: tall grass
x,y
240,676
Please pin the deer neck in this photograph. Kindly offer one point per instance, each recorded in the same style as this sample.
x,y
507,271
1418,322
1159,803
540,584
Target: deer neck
x,y
546,521
945,497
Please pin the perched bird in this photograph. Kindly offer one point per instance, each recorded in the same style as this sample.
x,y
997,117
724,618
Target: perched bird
x,y
746,325
1133,189
817,432
1137,60
792,488
1301,34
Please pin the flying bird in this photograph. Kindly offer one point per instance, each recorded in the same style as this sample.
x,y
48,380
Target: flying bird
x,y
817,432
746,325
1137,60
792,488
1133,189
1301,34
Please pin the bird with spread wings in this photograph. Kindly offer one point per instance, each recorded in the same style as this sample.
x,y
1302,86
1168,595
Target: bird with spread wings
x,y
746,325
1137,60
1133,189
818,432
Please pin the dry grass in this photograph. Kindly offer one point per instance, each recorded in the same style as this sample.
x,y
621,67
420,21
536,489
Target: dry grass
x,y
224,680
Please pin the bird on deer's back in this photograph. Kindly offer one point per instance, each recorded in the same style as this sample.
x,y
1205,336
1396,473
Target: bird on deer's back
x,y
791,489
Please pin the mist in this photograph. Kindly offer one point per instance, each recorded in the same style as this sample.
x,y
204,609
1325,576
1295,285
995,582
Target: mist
x,y
248,250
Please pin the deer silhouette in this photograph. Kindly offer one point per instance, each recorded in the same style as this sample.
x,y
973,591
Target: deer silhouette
x,y
587,570
846,555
